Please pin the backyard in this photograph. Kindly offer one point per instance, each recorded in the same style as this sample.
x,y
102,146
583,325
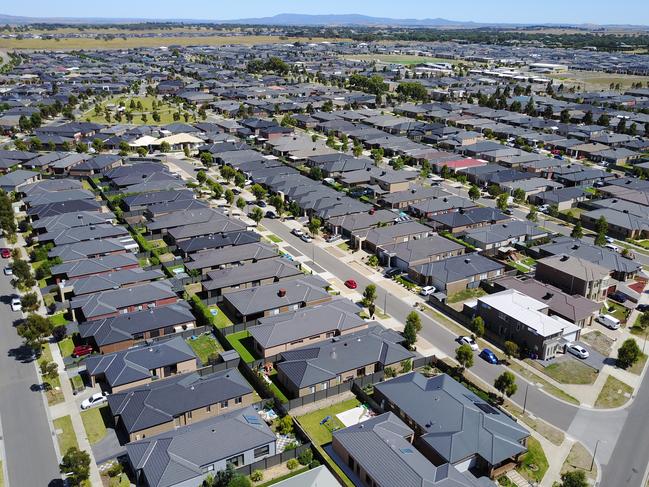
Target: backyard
x,y
219,318
205,347
320,433
466,294
237,341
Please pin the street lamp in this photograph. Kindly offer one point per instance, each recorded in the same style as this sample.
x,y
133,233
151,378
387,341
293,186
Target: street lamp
x,y
592,463
527,386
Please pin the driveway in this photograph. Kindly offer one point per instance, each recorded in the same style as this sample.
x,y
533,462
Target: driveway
x,y
595,359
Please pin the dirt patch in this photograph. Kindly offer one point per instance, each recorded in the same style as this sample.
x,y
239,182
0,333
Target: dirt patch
x,y
599,341
580,458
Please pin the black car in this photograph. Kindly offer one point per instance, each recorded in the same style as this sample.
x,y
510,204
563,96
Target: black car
x,y
394,271
261,204
642,307
618,296
270,214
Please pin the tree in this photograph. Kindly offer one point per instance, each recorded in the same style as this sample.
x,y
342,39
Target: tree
x,y
445,172
574,478
76,465
316,173
474,192
477,326
511,349
502,201
505,383
239,179
494,190
464,355
577,231
643,320
258,191
165,147
218,190
23,274
241,203
29,302
228,172
98,145
278,202
369,294
410,335
314,226
207,159
34,330
628,354
257,214
519,195
532,215
229,196
601,227
201,177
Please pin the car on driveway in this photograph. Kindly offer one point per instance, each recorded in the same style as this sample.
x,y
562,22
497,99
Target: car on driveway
x,y
5,253
305,237
489,356
618,296
15,304
333,238
427,290
260,203
393,271
94,400
578,351
466,340
270,214
8,271
351,284
81,351
642,307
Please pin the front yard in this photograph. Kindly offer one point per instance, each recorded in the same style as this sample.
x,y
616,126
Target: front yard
x,y
569,371
534,463
66,346
94,423
65,433
616,310
320,434
205,347
53,392
614,394
598,341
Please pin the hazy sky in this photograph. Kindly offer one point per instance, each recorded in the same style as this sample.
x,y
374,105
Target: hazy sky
x,y
515,11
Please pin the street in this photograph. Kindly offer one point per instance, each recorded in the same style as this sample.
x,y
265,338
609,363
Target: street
x,y
28,440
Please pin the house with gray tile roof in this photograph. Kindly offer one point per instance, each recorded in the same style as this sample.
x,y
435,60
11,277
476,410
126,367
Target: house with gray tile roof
x,y
72,220
111,280
248,305
90,249
224,257
76,269
180,400
574,275
492,237
57,196
54,209
380,452
295,329
416,252
82,234
453,425
143,200
217,241
393,234
17,179
126,330
316,367
185,456
137,366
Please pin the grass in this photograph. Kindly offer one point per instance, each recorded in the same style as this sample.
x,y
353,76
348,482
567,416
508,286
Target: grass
x,y
93,422
405,59
283,477
205,347
344,246
321,434
466,294
580,459
547,387
235,340
58,319
66,438
616,310
55,394
534,463
165,110
613,393
66,346
596,80
276,387
2,476
274,238
77,382
119,481
639,365
220,320
570,372
549,432
598,341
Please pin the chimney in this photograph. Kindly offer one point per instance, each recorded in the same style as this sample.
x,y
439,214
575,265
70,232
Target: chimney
x,y
281,293
467,260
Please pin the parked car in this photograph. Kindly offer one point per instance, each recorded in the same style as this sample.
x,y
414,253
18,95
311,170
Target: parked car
x,y
297,232
427,290
578,351
508,211
334,238
618,296
15,304
642,307
609,239
489,356
609,321
5,253
95,400
81,351
305,237
261,204
392,271
351,284
270,214
466,340
8,271
612,247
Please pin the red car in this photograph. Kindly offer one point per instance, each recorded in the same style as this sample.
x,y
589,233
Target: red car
x,y
350,283
81,351
5,253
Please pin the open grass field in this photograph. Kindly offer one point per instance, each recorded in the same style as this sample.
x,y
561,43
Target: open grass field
x,y
593,80
134,42
402,59
165,110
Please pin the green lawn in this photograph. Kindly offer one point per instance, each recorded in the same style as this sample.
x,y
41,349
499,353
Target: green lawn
x,y
276,480
66,436
66,346
235,340
466,294
55,394
616,310
534,463
120,481
93,422
571,372
221,320
276,387
205,347
321,434
58,319
615,393
165,110
344,246
274,238
77,382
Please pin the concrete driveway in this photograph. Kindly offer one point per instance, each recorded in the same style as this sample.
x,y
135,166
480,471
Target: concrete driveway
x,y
595,359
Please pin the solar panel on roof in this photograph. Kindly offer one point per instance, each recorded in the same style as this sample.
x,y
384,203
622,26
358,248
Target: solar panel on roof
x,y
406,450
486,408
252,418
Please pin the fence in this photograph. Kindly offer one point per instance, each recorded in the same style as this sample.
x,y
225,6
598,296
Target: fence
x,y
268,462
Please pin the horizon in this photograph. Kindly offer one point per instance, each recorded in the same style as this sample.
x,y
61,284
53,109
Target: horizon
x,y
577,12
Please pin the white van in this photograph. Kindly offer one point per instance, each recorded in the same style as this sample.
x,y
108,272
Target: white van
x,y
609,321
612,247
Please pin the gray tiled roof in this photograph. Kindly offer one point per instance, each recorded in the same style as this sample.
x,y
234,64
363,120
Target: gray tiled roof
x,y
277,267
72,220
95,265
113,280
81,250
228,255
459,267
171,458
160,401
455,426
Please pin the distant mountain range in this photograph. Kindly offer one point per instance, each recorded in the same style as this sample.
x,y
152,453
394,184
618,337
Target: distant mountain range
x,y
348,20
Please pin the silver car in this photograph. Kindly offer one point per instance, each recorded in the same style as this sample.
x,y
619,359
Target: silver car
x,y
578,351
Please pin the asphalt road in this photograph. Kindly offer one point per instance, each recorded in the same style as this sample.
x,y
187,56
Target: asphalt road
x,y
28,443
624,451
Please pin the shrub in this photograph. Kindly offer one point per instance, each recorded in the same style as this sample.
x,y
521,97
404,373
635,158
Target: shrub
x,y
285,425
292,464
390,372
257,476
314,464
306,457
115,470
59,333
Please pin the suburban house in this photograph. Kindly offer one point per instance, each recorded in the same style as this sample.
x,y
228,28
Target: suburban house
x,y
457,273
109,303
393,234
127,330
287,331
328,363
574,275
416,252
180,400
491,238
140,365
112,280
187,455
232,279
208,260
571,307
379,452
96,266
452,425
465,220
514,316
359,223
250,304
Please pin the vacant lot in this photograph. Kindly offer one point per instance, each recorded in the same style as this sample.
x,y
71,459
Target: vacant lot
x,y
403,59
592,80
580,459
569,371
598,341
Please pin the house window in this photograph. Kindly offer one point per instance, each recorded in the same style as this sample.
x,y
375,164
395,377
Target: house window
x,y
312,389
235,461
208,408
154,333
238,400
189,415
296,342
294,307
224,404
260,452
274,311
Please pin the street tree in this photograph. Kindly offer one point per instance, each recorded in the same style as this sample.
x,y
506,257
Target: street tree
x,y
533,214
577,231
241,203
574,478
314,225
23,274
601,227
369,294
511,349
502,201
29,302
34,330
464,356
519,195
257,214
258,191
505,383
229,196
628,354
474,192
410,335
75,464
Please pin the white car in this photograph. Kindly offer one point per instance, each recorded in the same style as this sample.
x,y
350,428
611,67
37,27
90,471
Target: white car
x,y
427,290
94,400
612,247
297,232
609,239
306,238
465,340
15,304
578,351
9,271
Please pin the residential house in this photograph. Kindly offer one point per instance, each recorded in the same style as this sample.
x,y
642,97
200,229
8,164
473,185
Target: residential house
x,y
574,275
404,255
393,234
